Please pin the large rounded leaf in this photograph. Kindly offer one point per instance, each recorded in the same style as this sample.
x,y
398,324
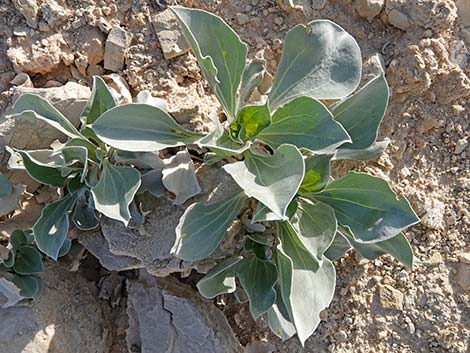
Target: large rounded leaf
x,y
368,207
319,60
271,179
141,128
305,123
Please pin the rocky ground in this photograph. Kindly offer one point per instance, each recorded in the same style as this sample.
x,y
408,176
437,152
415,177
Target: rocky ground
x,y
378,306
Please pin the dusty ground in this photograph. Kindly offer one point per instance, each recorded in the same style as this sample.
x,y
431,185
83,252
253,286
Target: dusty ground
x,y
422,43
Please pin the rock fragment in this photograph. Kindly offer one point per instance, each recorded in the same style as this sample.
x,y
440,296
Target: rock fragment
x,y
463,271
116,48
172,317
29,9
390,298
369,8
169,35
434,217
399,19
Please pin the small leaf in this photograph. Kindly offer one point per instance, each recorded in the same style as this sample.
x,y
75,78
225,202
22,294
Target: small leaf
x,y
51,229
115,191
13,201
306,287
219,280
319,60
141,128
397,247
278,318
262,252
272,180
142,160
84,215
101,100
367,154
73,154
43,110
5,186
305,123
202,227
338,248
219,51
317,173
251,78
17,239
251,120
28,261
257,278
361,113
368,207
179,177
38,171
79,142
220,142
315,226
29,285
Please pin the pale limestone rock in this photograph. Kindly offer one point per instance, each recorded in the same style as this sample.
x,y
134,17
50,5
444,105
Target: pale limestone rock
x,y
116,48
29,9
390,298
169,35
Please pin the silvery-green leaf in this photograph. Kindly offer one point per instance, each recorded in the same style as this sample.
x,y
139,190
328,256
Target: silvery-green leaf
x,y
257,278
84,215
338,248
219,51
251,120
115,191
79,142
5,186
251,78
305,123
319,60
202,227
73,154
28,261
315,225
371,152
179,177
41,109
51,229
220,142
141,128
368,207
317,173
12,201
17,239
306,287
100,101
38,170
271,179
278,318
28,285
397,247
142,160
261,251
145,97
259,238
361,113
10,292
220,279
152,182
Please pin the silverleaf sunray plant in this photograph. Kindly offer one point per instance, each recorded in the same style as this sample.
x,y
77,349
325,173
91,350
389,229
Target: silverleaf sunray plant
x,y
287,144
298,219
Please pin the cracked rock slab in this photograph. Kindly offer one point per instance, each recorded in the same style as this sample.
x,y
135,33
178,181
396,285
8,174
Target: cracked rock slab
x,y
169,35
170,317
